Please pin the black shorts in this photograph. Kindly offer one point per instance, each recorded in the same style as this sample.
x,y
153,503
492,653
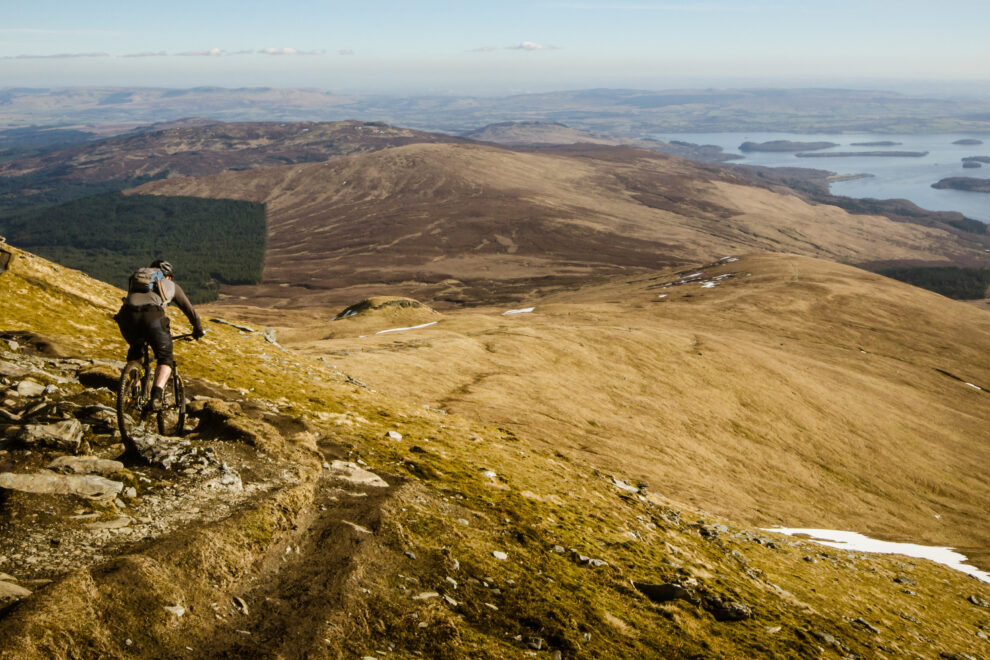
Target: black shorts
x,y
146,325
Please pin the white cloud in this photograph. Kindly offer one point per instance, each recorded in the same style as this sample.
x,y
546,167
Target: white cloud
x,y
531,45
160,53
485,49
213,52
345,51
290,51
58,56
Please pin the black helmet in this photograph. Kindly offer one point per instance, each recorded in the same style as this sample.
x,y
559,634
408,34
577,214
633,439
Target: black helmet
x,y
163,266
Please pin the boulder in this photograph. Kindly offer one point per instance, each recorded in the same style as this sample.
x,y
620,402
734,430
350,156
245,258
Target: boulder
x,y
44,482
12,369
85,465
63,436
30,388
355,474
11,593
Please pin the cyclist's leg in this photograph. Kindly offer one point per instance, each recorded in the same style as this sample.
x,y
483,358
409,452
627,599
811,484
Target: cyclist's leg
x,y
130,326
160,338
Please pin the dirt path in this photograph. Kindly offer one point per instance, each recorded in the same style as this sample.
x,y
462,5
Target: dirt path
x,y
306,580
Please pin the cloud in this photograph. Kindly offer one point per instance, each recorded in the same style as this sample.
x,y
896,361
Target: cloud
x,y
290,51
345,51
58,56
160,53
213,52
484,49
531,45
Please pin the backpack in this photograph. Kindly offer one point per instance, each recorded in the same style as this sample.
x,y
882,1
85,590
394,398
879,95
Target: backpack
x,y
145,280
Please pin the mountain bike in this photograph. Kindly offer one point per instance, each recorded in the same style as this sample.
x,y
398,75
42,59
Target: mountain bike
x,y
133,394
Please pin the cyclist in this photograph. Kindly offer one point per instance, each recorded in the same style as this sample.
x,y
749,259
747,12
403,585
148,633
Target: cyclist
x,y
142,318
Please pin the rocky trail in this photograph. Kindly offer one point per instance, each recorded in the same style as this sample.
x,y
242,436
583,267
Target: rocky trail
x,y
67,504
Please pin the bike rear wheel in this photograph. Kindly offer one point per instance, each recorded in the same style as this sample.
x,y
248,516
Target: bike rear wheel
x,y
172,417
130,400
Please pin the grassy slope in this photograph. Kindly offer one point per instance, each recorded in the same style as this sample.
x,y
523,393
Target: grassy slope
x,y
797,392
539,498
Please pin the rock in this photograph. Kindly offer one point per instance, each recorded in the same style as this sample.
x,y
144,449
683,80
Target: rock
x,y
177,610
12,370
64,436
87,486
241,605
356,475
394,435
979,602
727,610
535,643
85,465
662,593
501,556
866,626
426,595
900,579
11,593
30,388
116,523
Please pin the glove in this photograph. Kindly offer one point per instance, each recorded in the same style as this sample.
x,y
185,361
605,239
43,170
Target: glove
x,y
198,333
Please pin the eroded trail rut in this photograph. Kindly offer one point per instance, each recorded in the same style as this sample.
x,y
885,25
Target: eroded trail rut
x,y
295,597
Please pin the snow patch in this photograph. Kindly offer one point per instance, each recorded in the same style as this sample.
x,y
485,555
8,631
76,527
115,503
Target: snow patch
x,y
415,327
858,542
518,311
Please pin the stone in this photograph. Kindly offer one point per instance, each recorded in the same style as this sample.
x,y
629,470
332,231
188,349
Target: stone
x,y
116,523
63,436
662,593
426,595
50,483
177,610
501,556
11,593
12,370
85,465
355,474
979,602
394,435
535,643
30,388
727,610
866,626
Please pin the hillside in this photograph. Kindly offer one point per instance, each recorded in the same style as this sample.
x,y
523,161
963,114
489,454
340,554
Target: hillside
x,y
454,224
197,149
320,517
821,395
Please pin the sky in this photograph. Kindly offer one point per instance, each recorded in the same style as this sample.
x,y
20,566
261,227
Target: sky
x,y
494,47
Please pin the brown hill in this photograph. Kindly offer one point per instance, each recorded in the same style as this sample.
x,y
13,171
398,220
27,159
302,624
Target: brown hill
x,y
473,223
198,149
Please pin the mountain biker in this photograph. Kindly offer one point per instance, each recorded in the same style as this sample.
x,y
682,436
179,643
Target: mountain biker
x,y
142,318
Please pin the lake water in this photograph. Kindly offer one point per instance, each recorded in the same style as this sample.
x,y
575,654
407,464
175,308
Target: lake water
x,y
894,177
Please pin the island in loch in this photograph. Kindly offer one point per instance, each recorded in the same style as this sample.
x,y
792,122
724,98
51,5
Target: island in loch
x,y
968,184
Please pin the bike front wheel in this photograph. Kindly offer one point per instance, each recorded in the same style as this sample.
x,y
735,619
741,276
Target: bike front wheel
x,y
172,417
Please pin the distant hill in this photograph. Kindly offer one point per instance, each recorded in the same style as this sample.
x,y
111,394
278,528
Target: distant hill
x,y
626,113
457,224
193,148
